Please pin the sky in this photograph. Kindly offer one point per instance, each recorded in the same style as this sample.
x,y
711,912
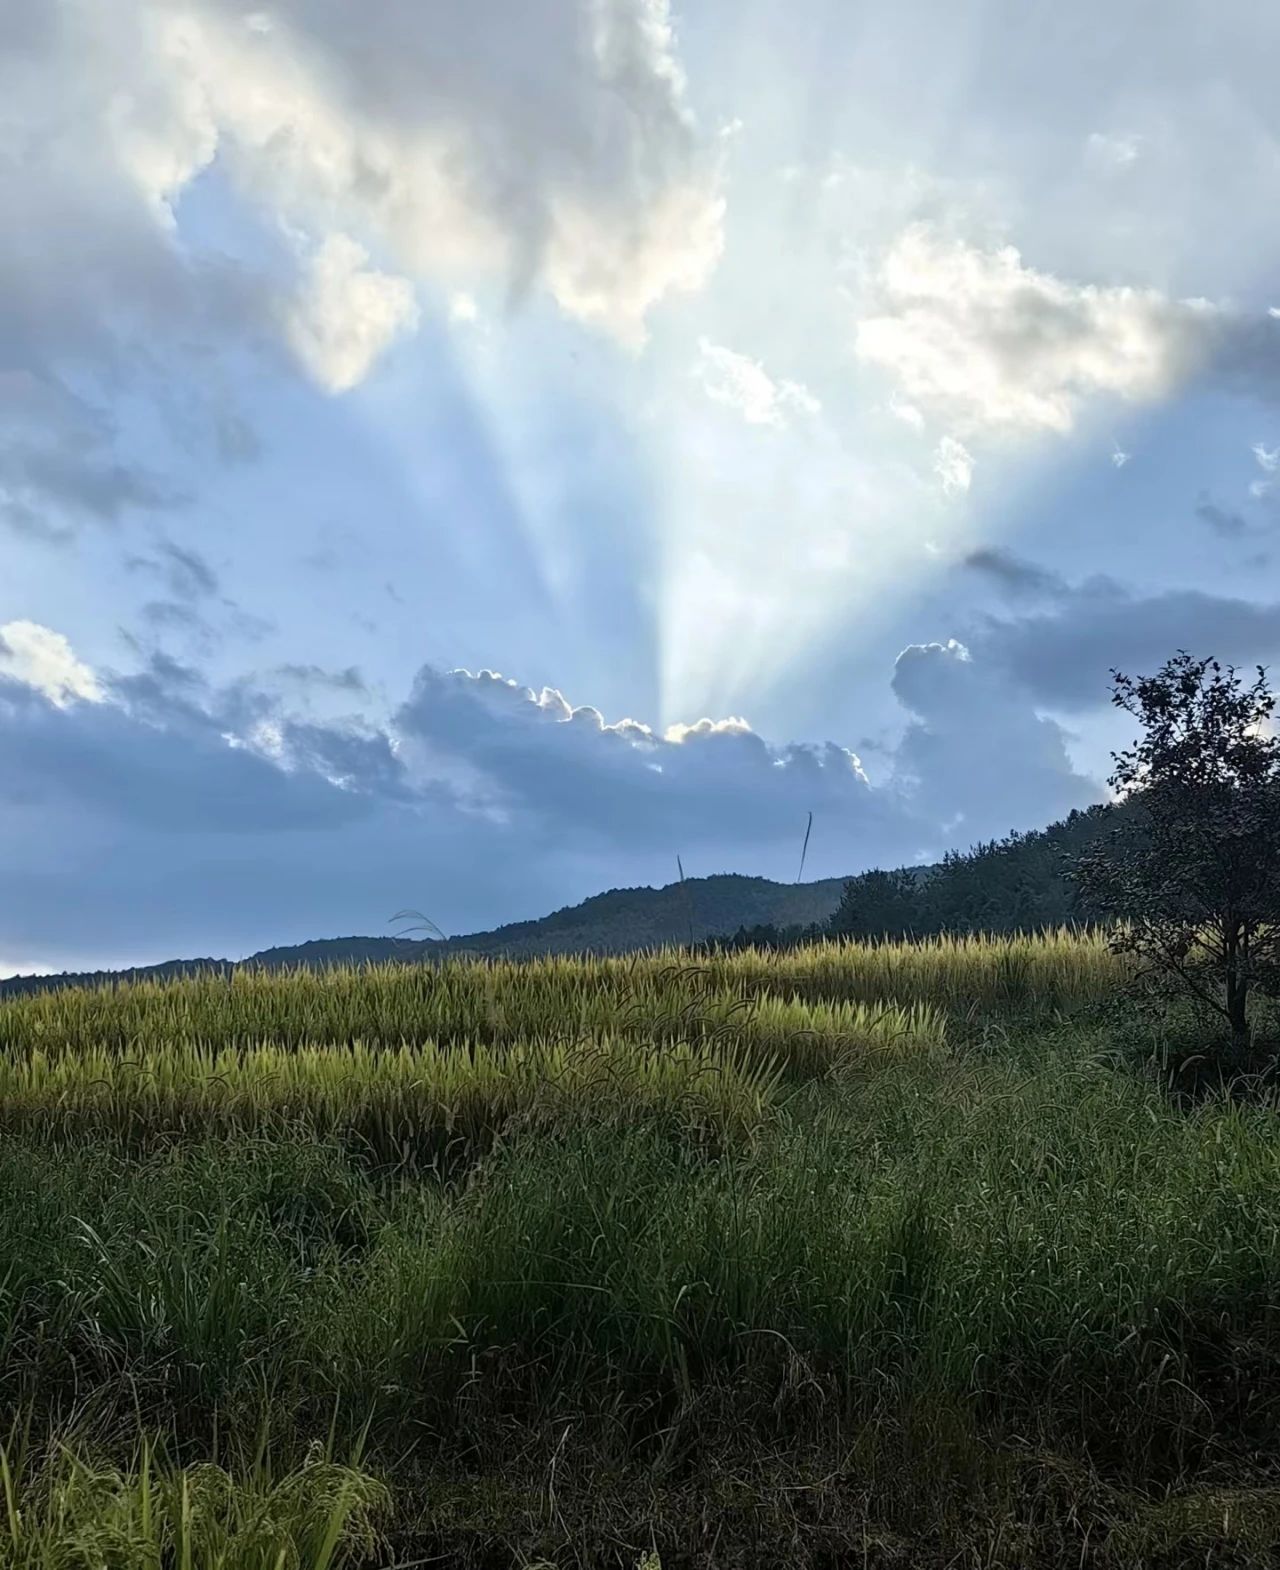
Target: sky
x,y
464,457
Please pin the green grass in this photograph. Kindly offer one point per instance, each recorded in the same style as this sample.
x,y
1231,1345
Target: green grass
x,y
64,1512
659,996
722,1261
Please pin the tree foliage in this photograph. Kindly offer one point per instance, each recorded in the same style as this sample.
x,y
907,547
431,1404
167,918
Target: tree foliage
x,y
1016,884
1192,872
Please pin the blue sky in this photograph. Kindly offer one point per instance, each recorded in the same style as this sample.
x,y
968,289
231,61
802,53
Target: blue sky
x,y
802,405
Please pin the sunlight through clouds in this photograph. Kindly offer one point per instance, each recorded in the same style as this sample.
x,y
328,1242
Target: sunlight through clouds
x,y
685,358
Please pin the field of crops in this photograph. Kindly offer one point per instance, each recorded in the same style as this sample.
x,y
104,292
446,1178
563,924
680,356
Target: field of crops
x,y
844,1255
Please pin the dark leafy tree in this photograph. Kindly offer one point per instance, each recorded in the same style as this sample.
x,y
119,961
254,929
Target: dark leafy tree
x,y
879,905
1016,884
1192,873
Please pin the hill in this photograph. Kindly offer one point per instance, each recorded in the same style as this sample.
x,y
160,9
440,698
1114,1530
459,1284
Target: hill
x,y
616,922
1017,883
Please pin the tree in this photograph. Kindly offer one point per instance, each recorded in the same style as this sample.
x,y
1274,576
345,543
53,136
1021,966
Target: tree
x,y
877,905
1192,874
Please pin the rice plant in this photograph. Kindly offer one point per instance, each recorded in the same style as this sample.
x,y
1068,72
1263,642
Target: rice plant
x,y
64,1512
591,1251
405,1106
655,996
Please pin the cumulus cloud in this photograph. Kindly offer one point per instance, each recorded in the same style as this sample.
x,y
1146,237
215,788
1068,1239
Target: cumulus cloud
x,y
346,314
743,384
993,344
977,757
549,149
44,660
154,812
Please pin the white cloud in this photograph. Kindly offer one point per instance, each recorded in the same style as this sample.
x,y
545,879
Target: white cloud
x,y
346,314
548,147
680,733
1268,457
1113,151
907,413
1118,457
953,464
43,659
994,343
741,383
552,145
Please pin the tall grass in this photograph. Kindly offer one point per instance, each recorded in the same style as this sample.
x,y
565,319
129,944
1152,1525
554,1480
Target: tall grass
x,y
655,996
743,1241
66,1512
404,1107
1035,974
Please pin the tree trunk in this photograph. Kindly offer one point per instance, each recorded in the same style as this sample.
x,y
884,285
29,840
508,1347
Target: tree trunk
x,y
1237,998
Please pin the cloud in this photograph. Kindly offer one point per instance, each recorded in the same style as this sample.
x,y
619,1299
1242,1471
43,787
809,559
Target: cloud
x,y
553,148
183,570
347,314
1113,151
993,344
1011,573
170,815
1268,458
1119,458
56,463
1231,525
743,384
977,758
953,464
1062,652
347,680
44,661
536,755
548,150
907,413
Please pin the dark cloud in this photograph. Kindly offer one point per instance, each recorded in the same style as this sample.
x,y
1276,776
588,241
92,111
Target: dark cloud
x,y
1230,525
1063,652
977,757
1011,573
177,816
186,574
348,680
57,466
573,773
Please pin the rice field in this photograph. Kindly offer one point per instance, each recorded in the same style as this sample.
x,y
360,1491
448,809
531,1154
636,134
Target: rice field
x,y
865,1255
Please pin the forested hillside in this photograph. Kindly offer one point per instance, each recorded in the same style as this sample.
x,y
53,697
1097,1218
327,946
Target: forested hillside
x,y
1019,883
